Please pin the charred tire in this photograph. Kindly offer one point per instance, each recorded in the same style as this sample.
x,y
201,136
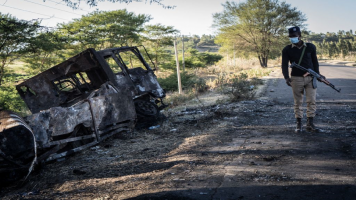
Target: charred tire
x,y
17,148
80,130
146,108
147,113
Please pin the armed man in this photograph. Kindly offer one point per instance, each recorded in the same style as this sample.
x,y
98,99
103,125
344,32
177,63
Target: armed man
x,y
303,54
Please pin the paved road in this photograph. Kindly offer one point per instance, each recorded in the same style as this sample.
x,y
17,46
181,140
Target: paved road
x,y
343,77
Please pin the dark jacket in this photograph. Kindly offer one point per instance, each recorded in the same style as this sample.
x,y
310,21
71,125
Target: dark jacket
x,y
290,55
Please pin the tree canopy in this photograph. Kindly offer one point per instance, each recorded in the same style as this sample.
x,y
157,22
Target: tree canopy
x,y
15,37
256,26
44,51
160,36
332,45
105,29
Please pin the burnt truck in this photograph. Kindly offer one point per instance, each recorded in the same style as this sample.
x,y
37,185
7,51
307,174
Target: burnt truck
x,y
75,105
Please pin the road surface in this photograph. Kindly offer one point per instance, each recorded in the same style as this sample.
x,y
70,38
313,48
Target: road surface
x,y
341,76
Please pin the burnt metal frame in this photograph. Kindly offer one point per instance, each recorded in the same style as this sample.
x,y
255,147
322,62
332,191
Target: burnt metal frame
x,y
97,135
133,49
115,54
90,62
87,61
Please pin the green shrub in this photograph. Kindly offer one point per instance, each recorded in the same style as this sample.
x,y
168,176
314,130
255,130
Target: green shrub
x,y
191,63
11,100
238,87
189,81
210,58
193,60
176,99
168,65
241,88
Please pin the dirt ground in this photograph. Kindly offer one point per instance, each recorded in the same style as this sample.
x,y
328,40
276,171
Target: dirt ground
x,y
242,150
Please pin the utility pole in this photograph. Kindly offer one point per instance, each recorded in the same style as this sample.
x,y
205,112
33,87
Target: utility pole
x,y
234,55
183,53
178,71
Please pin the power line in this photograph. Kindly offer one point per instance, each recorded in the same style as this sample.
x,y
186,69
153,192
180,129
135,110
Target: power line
x,y
66,5
52,7
34,12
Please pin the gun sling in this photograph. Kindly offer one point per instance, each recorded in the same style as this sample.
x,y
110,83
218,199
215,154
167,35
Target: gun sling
x,y
300,60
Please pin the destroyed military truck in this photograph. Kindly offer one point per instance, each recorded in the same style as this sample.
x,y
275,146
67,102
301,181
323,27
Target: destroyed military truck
x,y
75,105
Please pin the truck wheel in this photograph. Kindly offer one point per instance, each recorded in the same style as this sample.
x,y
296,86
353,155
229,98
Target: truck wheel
x,y
146,108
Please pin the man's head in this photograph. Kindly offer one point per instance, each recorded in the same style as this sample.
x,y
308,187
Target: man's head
x,y
294,34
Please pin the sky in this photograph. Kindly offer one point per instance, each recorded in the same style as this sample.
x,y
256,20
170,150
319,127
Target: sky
x,y
189,16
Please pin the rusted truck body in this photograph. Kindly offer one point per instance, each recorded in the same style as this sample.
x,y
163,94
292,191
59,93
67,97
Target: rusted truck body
x,y
75,105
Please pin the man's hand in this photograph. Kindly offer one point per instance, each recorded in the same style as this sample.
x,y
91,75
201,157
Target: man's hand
x,y
322,77
289,82
306,74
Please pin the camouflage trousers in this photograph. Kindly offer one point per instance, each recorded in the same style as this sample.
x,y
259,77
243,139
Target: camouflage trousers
x,y
299,86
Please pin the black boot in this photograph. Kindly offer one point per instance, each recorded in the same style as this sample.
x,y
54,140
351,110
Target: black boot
x,y
298,129
310,125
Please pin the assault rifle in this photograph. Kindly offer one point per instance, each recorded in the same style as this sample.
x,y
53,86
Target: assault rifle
x,y
315,76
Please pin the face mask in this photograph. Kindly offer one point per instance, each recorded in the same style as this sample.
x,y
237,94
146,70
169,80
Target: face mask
x,y
294,40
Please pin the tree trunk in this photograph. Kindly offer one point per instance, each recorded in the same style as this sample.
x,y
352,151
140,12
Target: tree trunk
x,y
156,56
263,60
2,72
156,62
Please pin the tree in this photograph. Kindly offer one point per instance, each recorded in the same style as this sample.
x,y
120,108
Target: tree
x,y
206,40
105,29
196,60
342,47
332,50
257,26
196,40
44,51
15,36
160,36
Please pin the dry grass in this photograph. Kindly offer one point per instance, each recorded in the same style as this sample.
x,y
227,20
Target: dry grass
x,y
218,76
18,67
174,99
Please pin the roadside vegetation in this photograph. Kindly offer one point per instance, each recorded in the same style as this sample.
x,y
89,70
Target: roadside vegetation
x,y
340,45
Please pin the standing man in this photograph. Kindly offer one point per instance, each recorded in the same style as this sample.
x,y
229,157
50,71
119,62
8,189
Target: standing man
x,y
303,54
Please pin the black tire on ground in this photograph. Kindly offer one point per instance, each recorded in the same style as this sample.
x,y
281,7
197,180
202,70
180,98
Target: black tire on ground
x,y
17,148
146,108
147,113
